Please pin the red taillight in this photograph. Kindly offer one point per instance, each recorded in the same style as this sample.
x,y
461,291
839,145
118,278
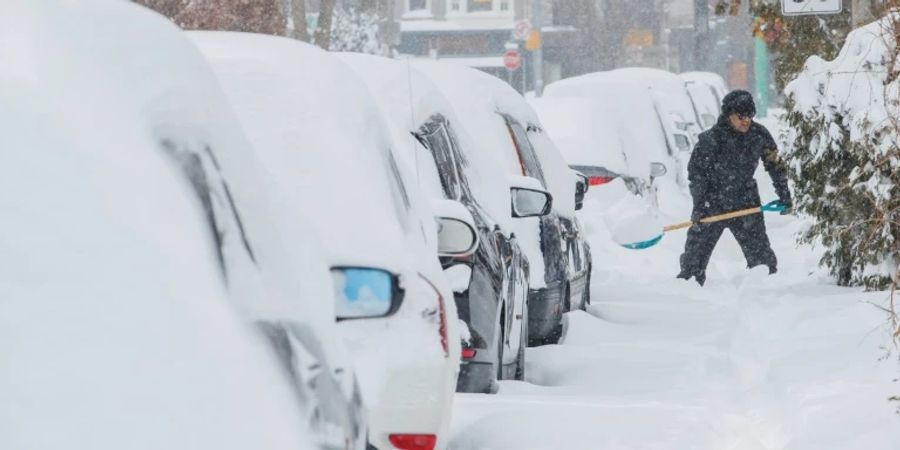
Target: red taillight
x,y
468,353
413,441
596,181
442,314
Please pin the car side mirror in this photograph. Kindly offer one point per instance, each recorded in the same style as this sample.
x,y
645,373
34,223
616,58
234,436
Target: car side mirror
x,y
658,169
457,235
682,142
365,293
581,188
527,202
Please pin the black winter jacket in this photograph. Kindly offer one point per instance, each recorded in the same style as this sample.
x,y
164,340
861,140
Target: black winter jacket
x,y
722,166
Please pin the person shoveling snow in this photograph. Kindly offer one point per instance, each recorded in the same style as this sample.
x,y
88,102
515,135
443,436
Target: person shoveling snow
x,y
721,180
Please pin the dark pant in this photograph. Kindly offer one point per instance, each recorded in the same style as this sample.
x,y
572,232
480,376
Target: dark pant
x,y
750,232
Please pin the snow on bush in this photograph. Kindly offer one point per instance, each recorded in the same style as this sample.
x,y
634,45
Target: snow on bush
x,y
842,145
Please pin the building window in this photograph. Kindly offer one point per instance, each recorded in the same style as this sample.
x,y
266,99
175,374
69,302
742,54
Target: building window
x,y
477,6
417,5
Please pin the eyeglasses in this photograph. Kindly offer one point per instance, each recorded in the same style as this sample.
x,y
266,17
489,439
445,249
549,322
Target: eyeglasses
x,y
744,116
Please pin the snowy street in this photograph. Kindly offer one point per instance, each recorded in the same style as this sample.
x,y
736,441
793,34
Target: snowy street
x,y
450,225
748,362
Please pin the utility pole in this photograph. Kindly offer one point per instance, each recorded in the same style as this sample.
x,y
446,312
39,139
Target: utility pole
x,y
538,53
701,34
861,12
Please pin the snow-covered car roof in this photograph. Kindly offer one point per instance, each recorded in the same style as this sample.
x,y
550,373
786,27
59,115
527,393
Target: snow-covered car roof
x,y
644,132
408,100
667,85
335,171
479,100
153,67
117,331
583,132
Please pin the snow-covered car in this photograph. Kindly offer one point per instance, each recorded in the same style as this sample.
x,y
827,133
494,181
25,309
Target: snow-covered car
x,y
713,80
117,329
671,96
498,122
321,138
706,94
186,115
491,302
631,133
595,139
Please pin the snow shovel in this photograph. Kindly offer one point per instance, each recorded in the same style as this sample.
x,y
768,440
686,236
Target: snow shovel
x,y
773,206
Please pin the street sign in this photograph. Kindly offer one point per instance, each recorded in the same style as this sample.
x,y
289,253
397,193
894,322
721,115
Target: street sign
x,y
521,30
810,7
512,60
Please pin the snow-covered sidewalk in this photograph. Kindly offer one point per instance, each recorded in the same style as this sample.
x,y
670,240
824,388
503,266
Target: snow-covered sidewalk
x,y
748,362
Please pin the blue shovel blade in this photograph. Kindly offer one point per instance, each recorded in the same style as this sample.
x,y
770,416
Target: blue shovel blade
x,y
643,244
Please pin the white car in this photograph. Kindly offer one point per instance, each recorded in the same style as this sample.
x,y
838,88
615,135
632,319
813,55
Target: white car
x,y
323,142
116,328
633,115
671,95
282,289
711,79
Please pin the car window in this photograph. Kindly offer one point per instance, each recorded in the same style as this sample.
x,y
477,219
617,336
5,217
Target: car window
x,y
438,141
525,152
199,166
402,205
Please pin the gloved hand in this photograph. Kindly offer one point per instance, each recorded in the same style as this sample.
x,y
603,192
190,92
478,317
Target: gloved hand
x,y
787,206
696,215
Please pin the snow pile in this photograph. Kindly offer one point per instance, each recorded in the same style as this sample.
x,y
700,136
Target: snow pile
x,y
842,144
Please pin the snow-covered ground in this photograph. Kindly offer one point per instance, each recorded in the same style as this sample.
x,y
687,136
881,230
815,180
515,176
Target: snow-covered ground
x,y
749,362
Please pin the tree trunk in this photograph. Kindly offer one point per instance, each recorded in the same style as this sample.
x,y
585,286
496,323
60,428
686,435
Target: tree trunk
x,y
323,30
298,14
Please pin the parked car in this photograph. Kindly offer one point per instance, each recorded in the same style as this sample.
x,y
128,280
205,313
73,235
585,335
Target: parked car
x,y
706,101
604,142
502,125
671,95
324,144
278,287
117,329
491,302
635,121
713,80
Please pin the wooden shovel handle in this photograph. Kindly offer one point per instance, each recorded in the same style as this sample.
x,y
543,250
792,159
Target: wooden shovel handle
x,y
717,218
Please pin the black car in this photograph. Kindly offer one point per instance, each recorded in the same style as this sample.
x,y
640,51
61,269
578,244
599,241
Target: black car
x,y
566,254
494,305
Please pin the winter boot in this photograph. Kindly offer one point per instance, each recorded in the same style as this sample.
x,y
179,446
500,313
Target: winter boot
x,y
700,278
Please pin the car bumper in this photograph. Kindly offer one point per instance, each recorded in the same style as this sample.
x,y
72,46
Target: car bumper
x,y
414,401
